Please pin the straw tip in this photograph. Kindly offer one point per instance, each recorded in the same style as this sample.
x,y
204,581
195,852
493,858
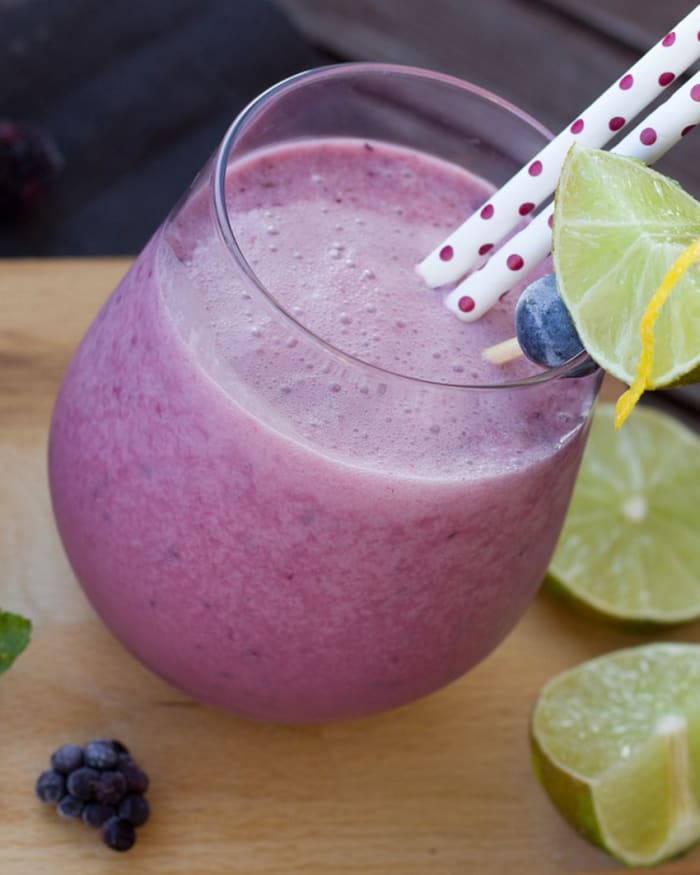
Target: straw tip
x,y
426,270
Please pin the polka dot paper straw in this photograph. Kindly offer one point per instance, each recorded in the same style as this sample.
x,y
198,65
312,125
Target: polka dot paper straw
x,y
535,182
651,139
664,127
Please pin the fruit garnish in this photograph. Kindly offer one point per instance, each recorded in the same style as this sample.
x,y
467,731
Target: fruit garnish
x,y
118,834
82,783
619,226
627,401
50,786
100,754
70,807
543,326
102,785
95,814
111,788
544,331
616,745
14,637
135,809
67,759
628,550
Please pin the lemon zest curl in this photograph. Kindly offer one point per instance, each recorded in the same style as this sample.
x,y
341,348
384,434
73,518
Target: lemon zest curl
x,y
627,401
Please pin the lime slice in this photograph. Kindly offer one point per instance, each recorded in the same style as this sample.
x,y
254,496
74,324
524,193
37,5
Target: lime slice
x,y
629,547
616,745
618,228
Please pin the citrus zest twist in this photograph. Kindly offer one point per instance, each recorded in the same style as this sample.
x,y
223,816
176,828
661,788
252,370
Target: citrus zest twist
x,y
627,401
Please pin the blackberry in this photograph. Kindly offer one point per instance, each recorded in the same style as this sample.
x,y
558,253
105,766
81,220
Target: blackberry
x,y
95,814
50,786
111,788
67,759
29,160
118,834
70,807
101,754
82,783
135,809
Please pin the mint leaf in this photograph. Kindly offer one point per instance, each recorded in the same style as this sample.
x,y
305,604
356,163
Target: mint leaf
x,y
14,637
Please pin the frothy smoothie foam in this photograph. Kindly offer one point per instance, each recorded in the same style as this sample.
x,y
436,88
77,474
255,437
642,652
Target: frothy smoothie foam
x,y
332,232
275,526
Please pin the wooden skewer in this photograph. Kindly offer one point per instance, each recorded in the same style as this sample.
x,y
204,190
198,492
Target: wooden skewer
x,y
500,353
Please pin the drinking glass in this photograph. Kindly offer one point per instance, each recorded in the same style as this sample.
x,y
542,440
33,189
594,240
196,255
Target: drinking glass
x,y
271,523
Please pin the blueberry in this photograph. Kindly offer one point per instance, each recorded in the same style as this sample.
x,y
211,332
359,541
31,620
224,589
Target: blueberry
x,y
50,786
111,788
70,807
101,754
119,747
82,783
135,809
544,328
136,778
118,834
67,758
29,160
95,814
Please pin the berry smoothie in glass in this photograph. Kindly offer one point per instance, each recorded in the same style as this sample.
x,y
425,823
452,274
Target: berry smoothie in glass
x,y
283,473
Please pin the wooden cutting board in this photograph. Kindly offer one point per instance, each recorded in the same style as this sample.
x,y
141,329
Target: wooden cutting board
x,y
441,786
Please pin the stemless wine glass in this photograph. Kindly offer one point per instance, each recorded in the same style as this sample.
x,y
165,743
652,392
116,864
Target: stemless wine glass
x,y
273,523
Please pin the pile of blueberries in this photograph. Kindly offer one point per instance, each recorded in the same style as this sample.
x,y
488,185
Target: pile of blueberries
x,y
29,162
100,784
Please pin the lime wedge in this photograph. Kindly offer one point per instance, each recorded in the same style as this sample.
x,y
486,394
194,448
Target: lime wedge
x,y
629,546
616,745
618,228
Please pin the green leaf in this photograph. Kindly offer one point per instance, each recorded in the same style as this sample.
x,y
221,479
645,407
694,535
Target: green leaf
x,y
14,637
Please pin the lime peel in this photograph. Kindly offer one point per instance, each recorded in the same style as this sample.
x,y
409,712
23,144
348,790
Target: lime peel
x,y
627,401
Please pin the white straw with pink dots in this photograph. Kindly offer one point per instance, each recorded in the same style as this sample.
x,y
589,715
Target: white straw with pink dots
x,y
651,139
535,182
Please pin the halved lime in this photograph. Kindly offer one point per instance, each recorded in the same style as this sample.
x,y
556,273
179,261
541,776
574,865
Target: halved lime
x,y
618,228
616,745
630,546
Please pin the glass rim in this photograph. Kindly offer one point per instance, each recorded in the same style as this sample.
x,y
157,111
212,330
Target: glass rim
x,y
218,187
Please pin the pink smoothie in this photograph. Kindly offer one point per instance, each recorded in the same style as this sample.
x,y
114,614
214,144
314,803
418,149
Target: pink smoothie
x,y
270,524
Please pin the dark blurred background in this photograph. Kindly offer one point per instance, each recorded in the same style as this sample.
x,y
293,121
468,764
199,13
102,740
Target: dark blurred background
x,y
136,96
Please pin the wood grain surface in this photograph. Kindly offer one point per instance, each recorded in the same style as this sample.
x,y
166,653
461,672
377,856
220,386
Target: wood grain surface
x,y
441,786
136,96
